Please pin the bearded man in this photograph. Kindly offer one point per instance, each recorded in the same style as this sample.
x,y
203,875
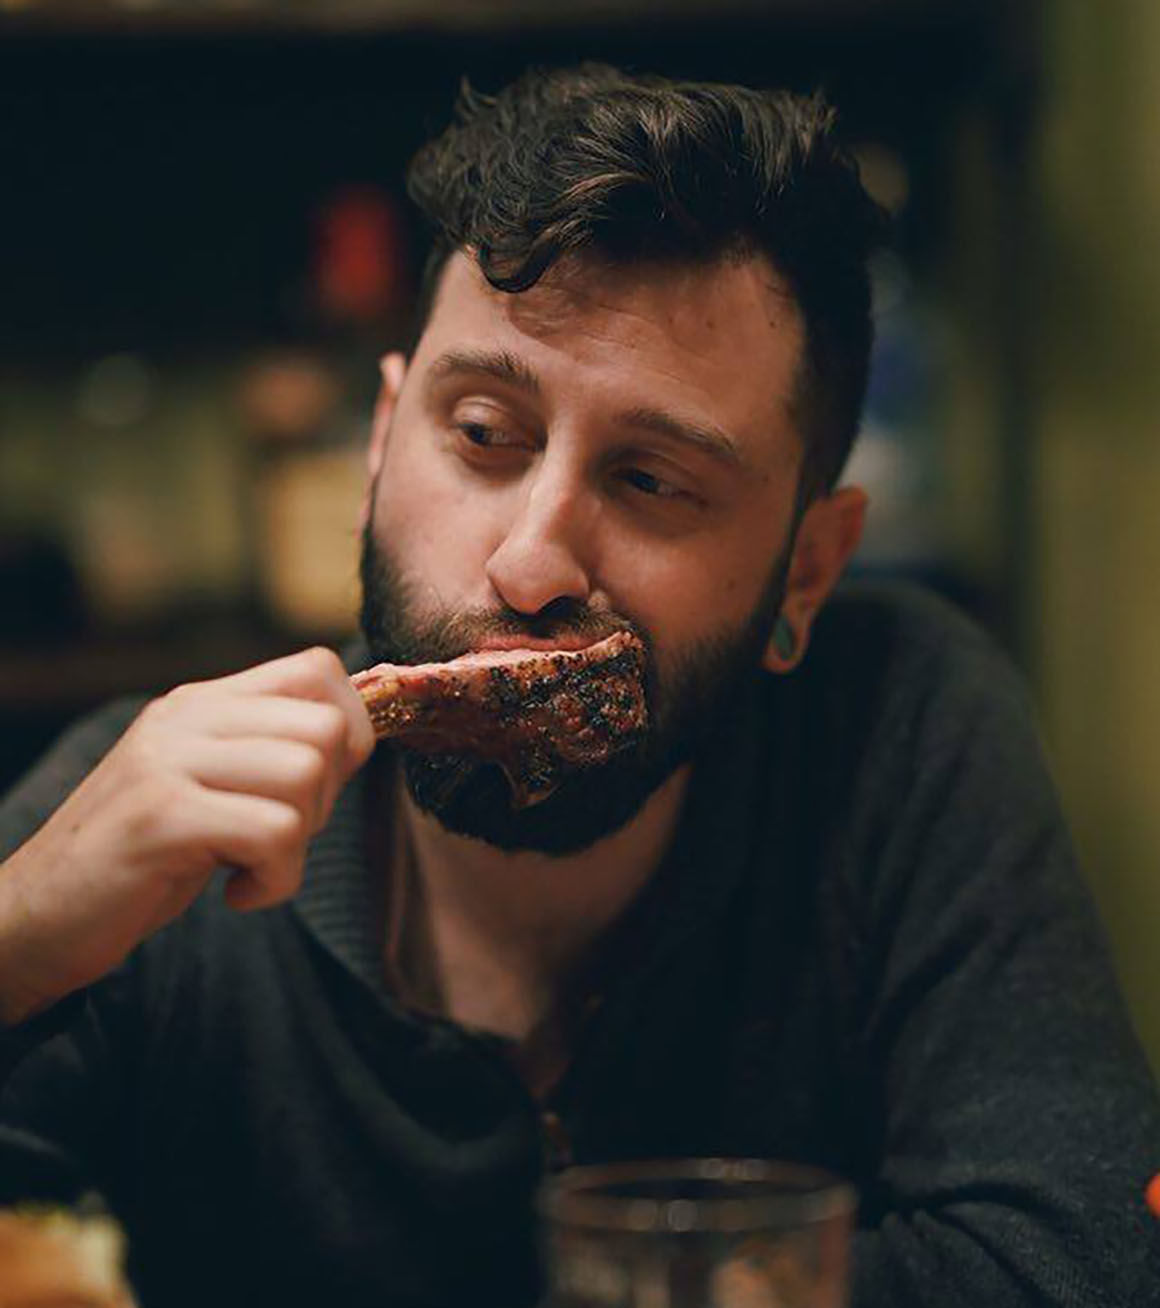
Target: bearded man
x,y
825,909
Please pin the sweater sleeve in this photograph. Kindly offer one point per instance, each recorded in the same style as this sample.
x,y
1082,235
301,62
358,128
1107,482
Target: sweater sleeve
x,y
1016,1121
63,1073
66,1107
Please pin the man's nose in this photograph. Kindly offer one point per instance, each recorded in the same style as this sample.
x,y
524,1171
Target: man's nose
x,y
544,554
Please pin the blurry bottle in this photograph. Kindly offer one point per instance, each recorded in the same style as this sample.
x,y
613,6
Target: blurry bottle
x,y
307,407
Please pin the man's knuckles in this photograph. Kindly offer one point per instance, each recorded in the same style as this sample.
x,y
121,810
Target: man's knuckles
x,y
360,739
175,704
322,665
353,731
316,673
303,770
310,783
327,677
331,729
274,854
280,831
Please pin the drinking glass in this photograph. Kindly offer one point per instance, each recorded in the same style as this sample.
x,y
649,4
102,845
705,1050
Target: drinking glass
x,y
697,1233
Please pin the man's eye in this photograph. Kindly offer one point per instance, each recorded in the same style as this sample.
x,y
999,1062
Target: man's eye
x,y
480,434
648,484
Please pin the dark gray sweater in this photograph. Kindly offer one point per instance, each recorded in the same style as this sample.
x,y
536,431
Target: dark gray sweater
x,y
870,949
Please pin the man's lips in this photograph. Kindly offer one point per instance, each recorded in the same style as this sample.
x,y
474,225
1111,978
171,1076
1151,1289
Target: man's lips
x,y
562,642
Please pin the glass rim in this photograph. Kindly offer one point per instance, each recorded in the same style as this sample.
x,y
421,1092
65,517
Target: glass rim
x,y
812,1195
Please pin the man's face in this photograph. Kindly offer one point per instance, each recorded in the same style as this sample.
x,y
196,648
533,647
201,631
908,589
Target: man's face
x,y
609,449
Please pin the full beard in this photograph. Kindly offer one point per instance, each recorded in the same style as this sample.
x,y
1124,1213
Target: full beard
x,y
687,701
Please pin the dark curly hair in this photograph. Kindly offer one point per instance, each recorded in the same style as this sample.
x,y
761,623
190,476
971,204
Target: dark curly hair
x,y
592,159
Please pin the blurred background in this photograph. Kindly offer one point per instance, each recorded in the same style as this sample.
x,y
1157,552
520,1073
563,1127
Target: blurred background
x,y
204,249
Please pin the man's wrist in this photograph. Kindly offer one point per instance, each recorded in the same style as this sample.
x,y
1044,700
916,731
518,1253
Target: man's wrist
x,y
20,1001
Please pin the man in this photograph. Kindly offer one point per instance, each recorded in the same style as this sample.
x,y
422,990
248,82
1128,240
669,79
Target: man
x,y
825,911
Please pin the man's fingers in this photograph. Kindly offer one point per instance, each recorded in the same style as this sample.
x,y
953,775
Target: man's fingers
x,y
362,733
291,771
322,725
316,721
294,674
313,674
246,893
265,839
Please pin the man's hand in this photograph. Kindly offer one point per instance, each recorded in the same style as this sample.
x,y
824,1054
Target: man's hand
x,y
241,771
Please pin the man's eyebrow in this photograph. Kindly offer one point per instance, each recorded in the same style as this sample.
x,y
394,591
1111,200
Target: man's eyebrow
x,y
500,364
702,436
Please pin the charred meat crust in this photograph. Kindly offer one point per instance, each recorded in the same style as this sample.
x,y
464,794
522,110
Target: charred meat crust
x,y
538,714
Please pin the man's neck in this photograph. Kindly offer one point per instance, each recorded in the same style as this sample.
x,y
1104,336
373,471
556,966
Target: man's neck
x,y
505,928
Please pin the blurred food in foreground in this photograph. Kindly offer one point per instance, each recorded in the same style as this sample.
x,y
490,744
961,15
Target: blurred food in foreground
x,y
54,1258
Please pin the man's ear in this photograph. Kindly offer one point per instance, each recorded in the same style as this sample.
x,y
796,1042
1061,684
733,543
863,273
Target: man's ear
x,y
392,369
827,536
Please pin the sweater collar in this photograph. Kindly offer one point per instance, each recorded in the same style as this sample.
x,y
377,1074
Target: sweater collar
x,y
339,899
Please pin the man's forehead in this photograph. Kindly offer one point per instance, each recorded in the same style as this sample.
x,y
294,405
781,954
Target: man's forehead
x,y
578,286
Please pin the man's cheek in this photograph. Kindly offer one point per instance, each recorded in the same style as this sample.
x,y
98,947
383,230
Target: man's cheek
x,y
413,511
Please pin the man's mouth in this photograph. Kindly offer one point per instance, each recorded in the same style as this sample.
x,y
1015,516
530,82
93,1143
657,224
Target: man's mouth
x,y
563,641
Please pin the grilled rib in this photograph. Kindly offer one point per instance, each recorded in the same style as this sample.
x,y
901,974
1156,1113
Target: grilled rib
x,y
538,714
